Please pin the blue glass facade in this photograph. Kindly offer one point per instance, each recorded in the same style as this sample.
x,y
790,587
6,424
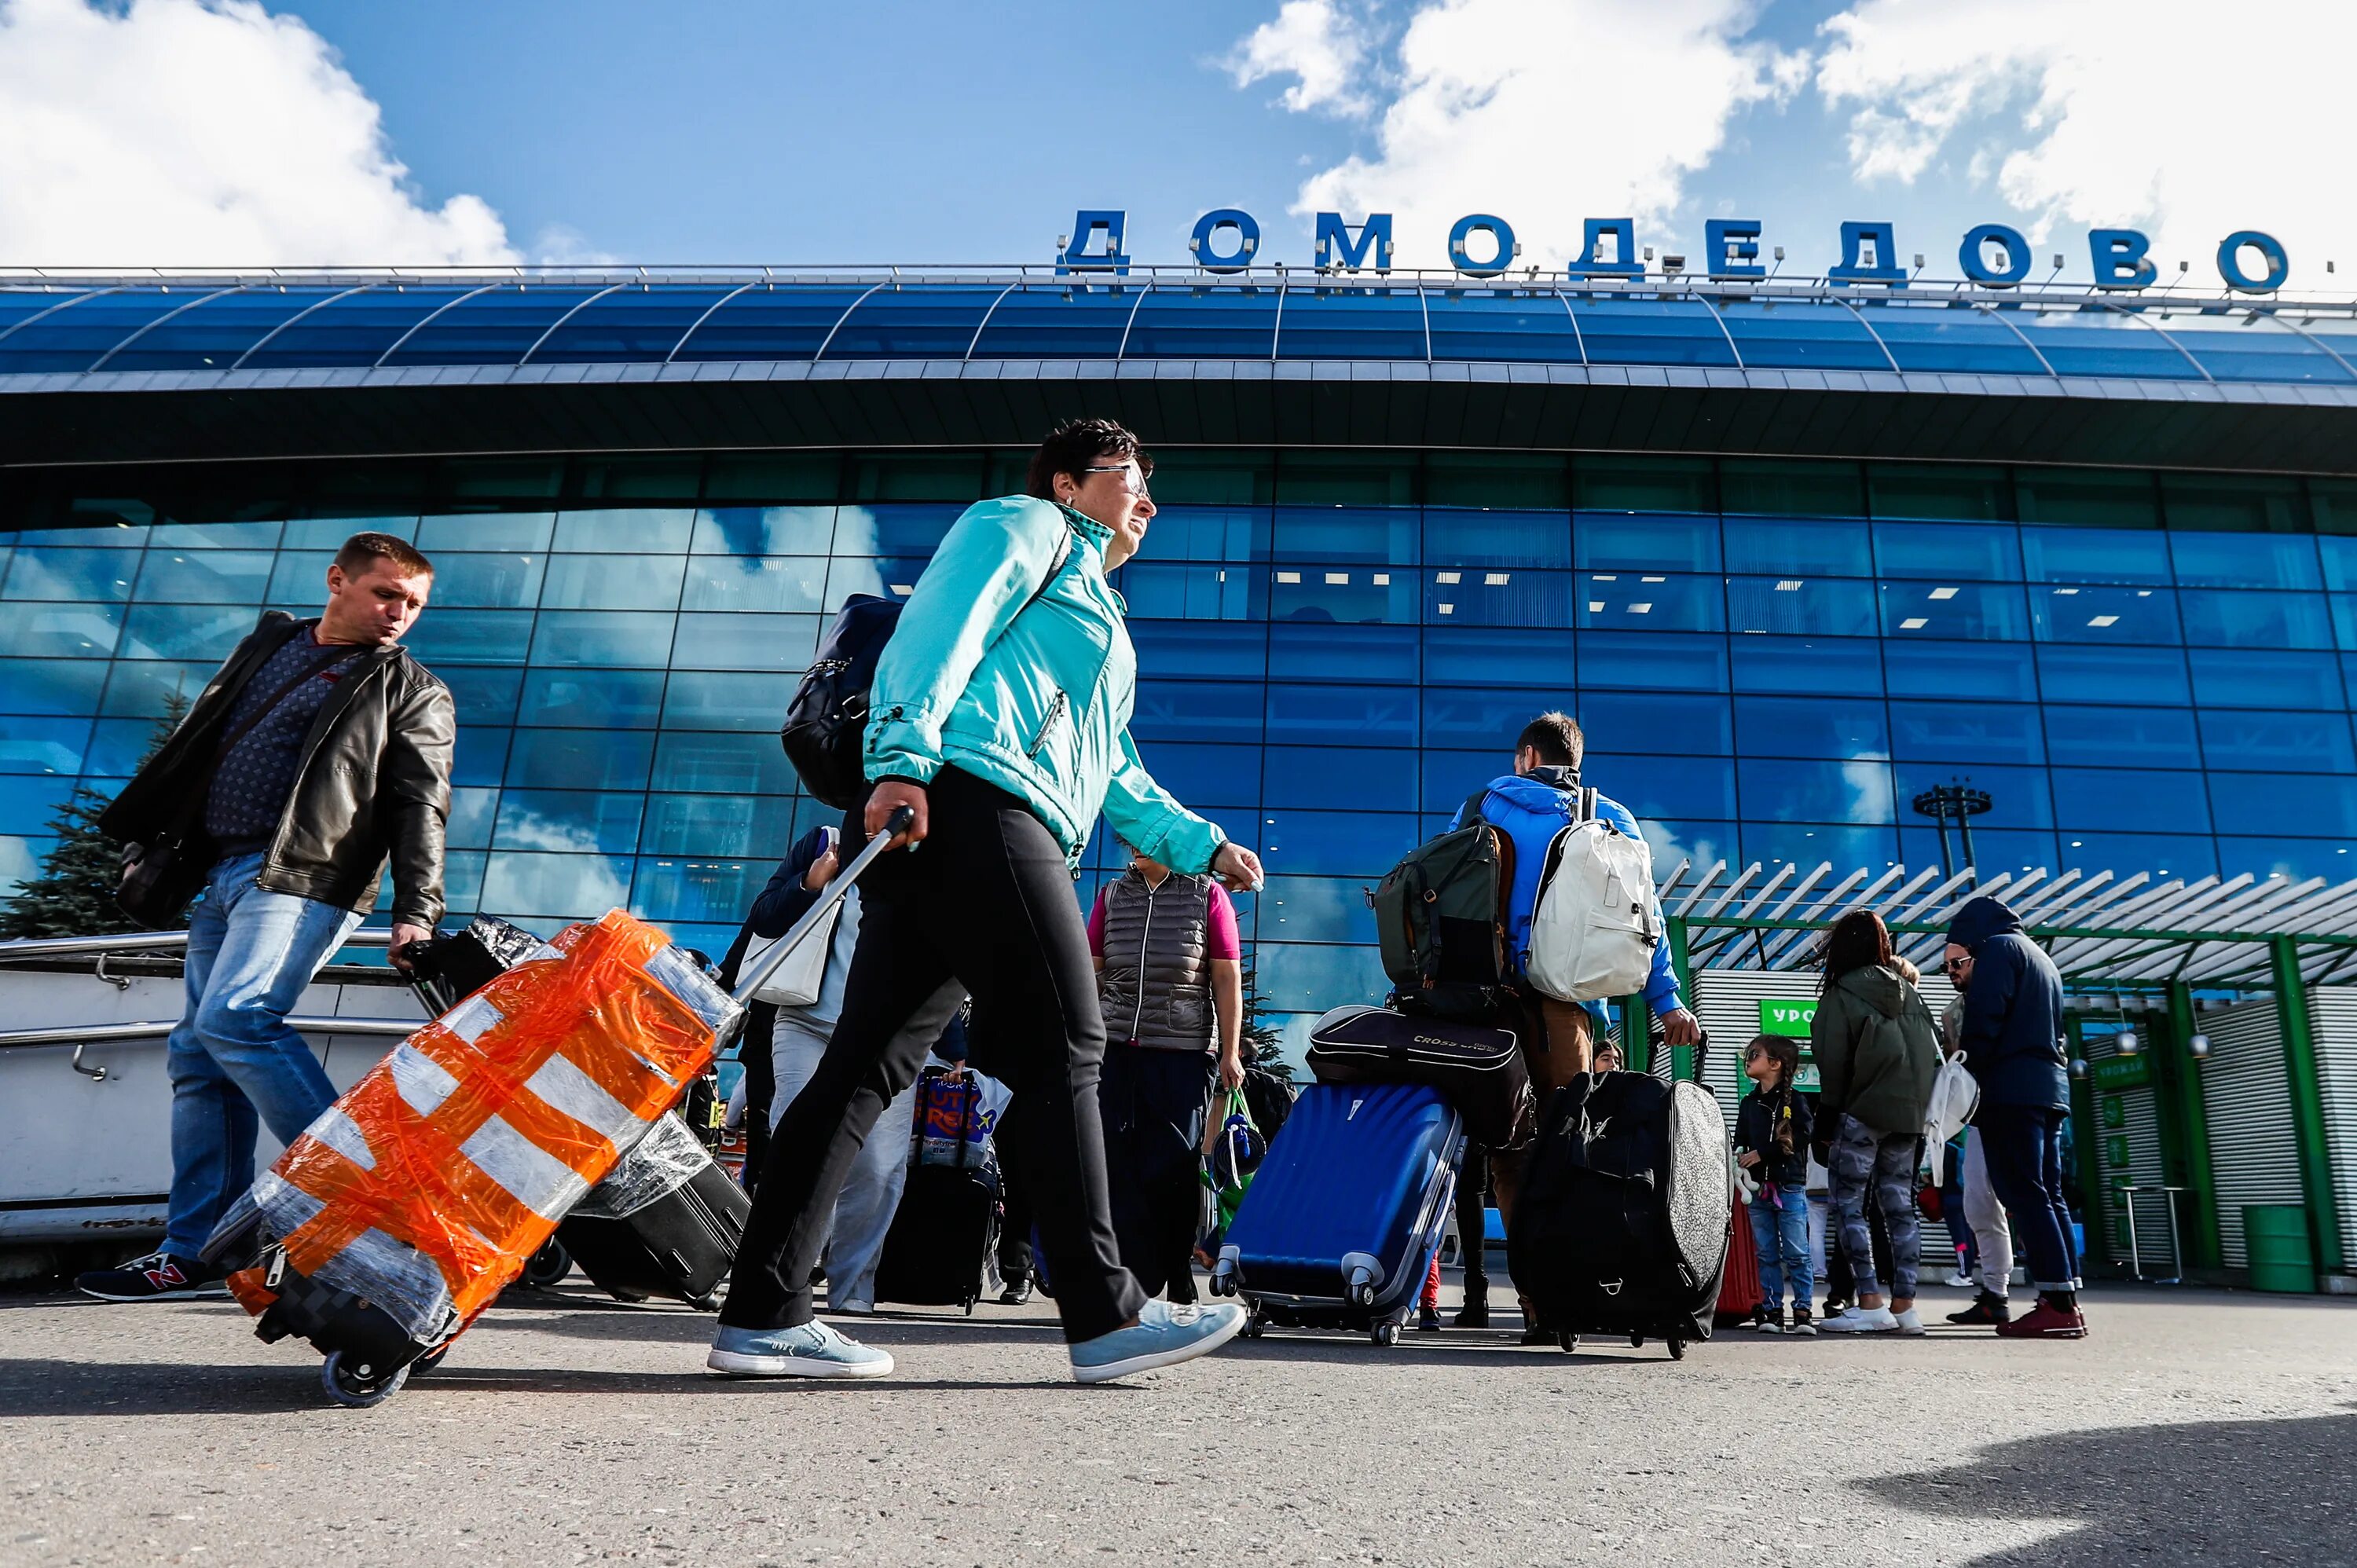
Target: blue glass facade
x,y
2147,673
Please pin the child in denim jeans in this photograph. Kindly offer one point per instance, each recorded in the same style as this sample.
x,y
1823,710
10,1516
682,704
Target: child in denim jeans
x,y
1771,1141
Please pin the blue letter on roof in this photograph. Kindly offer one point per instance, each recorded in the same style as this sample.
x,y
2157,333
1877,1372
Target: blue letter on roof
x,y
1336,250
1853,268
1731,248
1247,229
1460,254
1623,264
2120,257
1076,256
2230,262
1975,255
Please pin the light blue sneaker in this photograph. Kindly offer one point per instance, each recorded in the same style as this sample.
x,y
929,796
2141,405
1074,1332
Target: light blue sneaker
x,y
811,1350
1164,1336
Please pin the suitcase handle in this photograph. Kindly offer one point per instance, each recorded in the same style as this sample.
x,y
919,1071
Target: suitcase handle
x,y
757,974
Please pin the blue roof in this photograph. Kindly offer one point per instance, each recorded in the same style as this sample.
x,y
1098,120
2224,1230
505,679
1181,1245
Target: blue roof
x,y
195,325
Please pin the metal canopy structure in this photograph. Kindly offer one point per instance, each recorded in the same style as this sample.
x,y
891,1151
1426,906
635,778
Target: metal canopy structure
x,y
2100,929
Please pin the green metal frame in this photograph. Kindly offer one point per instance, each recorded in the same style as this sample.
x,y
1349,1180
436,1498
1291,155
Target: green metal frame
x,y
2306,1106
2187,1114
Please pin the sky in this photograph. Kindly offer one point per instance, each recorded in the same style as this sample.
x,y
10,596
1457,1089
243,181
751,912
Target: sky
x,y
231,133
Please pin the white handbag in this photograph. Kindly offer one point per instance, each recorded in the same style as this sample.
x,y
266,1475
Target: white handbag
x,y
797,982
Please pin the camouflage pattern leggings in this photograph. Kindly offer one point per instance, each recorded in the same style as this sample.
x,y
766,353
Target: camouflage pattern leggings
x,y
1882,1164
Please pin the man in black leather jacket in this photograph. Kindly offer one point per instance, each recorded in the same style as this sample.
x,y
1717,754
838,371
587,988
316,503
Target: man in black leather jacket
x,y
319,750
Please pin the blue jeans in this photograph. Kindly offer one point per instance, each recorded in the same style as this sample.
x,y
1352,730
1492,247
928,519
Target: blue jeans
x,y
2022,1146
1779,1230
232,1057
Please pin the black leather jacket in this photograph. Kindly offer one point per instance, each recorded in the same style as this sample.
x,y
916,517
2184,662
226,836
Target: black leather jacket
x,y
374,782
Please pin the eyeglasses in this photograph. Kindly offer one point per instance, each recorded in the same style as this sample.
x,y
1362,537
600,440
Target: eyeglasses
x,y
1953,965
1135,481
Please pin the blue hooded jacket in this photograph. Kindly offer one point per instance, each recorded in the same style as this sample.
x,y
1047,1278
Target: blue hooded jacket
x,y
2013,1010
1531,809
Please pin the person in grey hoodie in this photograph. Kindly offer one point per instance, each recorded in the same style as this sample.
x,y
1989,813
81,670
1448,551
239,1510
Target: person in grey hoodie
x,y
2013,1045
1877,1054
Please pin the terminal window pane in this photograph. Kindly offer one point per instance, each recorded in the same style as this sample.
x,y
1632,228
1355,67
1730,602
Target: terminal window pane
x,y
2260,677
77,576
1994,849
1645,541
1651,601
611,582
62,688
1965,732
66,632
208,577
634,638
1339,779
516,531
896,577
481,754
1204,322
1799,545
495,327
1992,610
775,583
1772,334
775,321
1346,533
1787,488
1314,976
1651,332
1316,910
2298,858
673,889
2289,743
1831,607
1506,596
2245,561
1451,777
2017,796
755,825
2155,676
2148,801
773,477
1670,661
593,699
185,631
1813,845
298,577
894,529
719,762
1477,656
2246,503
1950,339
1456,538
135,688
1793,791
2339,556
1215,477
27,800
743,640
2344,619
1644,484
1354,596
1987,672
1832,665
929,322
117,746
1990,551
211,335
1657,724
1204,775
518,880
2103,615
2120,737
633,326
579,759
1383,715
1488,718
472,637
1212,651
216,535
1497,479
1200,710
1501,325
31,744
2174,855
483,694
1351,324
1190,593
1336,843
353,331
568,820
1697,787
763,531
1939,490
1346,478
2223,619
640,530
1072,321
2096,555
1210,533
1812,726
729,699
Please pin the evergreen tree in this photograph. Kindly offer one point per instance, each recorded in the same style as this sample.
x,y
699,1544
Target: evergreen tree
x,y
1262,1039
73,894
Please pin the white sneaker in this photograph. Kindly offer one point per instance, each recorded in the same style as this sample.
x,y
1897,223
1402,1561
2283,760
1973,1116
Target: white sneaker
x,y
1960,1281
1908,1322
1860,1320
852,1306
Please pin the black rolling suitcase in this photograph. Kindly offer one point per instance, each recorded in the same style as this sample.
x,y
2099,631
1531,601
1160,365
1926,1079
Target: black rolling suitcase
x,y
1621,1225
937,1251
1479,1071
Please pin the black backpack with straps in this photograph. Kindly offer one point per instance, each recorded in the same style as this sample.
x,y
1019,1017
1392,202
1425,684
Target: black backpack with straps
x,y
1444,922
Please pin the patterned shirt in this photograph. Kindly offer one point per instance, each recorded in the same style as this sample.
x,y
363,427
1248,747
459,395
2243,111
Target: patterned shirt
x,y
251,785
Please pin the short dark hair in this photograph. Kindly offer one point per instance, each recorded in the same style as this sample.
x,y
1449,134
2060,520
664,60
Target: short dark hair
x,y
1857,940
362,552
1076,445
1556,738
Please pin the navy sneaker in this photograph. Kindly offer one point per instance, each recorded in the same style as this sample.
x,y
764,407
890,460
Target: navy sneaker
x,y
158,1276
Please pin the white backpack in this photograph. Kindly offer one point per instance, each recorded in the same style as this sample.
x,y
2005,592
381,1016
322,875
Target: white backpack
x,y
1955,1095
1592,932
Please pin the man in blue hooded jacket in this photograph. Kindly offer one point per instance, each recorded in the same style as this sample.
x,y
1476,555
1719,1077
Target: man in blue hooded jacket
x,y
2012,1041
1531,806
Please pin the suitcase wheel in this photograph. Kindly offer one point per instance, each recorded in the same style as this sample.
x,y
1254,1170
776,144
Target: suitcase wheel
x,y
1677,1348
1568,1342
1385,1333
708,1303
1636,1342
549,1266
360,1386
1255,1326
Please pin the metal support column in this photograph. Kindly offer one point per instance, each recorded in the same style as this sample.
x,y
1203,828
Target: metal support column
x,y
2307,1105
2180,1075
1682,1058
2084,1132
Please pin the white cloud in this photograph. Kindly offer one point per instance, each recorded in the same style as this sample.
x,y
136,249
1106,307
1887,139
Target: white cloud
x,y
1548,111
2079,115
203,133
1317,41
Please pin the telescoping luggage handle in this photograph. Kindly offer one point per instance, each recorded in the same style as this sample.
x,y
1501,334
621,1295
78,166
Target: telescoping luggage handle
x,y
757,974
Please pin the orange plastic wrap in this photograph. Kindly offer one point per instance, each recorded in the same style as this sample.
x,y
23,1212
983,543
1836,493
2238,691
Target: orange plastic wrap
x,y
430,1184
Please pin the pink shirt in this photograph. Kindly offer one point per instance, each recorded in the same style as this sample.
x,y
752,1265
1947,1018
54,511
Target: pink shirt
x,y
1219,941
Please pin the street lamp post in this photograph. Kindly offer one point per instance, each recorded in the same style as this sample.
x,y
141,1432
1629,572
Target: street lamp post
x,y
1961,802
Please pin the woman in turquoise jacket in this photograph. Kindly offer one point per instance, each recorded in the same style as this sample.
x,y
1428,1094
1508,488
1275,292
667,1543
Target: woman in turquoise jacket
x,y
1000,719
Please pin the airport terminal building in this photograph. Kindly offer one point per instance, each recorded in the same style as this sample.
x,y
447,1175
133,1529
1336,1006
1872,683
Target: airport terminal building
x,y
1794,554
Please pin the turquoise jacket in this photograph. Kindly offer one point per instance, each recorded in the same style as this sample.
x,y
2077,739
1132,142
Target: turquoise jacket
x,y
1035,697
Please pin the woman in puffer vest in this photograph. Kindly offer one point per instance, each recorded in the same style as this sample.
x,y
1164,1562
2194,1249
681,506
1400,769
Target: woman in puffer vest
x,y
1171,981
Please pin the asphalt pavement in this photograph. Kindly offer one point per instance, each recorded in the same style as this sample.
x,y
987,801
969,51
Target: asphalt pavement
x,y
2192,1426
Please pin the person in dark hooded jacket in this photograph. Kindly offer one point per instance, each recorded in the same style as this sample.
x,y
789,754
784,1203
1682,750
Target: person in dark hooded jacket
x,y
2012,1041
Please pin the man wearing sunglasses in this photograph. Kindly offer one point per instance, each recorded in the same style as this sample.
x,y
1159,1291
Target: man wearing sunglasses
x,y
1992,1233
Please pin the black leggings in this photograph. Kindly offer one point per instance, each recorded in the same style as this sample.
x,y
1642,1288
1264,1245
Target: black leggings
x,y
986,900
1153,1104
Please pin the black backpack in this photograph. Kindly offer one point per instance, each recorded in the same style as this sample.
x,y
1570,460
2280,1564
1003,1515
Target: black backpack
x,y
1442,920
1621,1223
825,730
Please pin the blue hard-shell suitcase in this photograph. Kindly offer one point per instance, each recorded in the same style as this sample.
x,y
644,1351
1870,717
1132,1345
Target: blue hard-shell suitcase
x,y
1342,1219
